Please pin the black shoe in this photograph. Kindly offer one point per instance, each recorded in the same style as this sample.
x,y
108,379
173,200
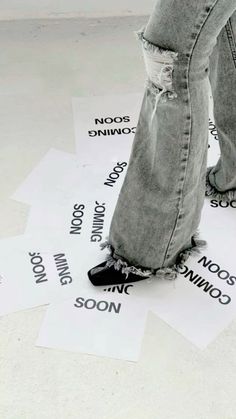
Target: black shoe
x,y
108,275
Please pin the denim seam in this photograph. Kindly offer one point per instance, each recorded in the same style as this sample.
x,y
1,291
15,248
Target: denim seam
x,y
169,58
179,215
232,44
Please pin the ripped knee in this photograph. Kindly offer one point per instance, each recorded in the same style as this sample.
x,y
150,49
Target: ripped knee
x,y
159,63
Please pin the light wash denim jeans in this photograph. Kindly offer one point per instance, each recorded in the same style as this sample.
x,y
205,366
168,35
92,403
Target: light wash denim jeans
x,y
154,227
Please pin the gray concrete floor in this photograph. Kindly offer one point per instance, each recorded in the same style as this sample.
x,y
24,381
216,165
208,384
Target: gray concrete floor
x,y
42,65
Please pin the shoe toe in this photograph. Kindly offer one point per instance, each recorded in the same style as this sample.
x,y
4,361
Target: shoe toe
x,y
96,274
107,275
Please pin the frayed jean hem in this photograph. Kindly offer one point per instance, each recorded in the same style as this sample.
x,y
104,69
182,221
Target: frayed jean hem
x,y
167,272
212,191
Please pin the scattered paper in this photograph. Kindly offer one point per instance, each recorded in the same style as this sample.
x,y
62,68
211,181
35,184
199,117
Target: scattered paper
x,y
102,325
33,274
73,198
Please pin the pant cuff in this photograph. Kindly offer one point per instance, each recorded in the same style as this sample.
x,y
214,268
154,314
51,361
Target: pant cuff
x,y
167,272
212,191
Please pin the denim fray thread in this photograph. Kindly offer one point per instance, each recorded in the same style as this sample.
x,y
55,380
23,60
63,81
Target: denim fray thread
x,y
161,273
212,191
153,48
159,68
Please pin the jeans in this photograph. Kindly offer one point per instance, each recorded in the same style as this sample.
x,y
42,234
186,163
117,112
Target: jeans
x,y
185,44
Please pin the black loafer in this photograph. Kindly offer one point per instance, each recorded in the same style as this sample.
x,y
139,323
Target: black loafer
x,y
108,275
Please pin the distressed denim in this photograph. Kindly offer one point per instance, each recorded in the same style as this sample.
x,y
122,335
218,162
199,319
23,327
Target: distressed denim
x,y
155,224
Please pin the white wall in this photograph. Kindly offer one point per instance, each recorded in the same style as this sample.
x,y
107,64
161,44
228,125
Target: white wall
x,y
20,9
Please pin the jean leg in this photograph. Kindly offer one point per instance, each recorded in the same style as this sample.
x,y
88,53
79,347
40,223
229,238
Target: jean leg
x,y
221,178
154,225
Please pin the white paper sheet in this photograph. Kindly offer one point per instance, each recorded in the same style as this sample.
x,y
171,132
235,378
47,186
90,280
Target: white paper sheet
x,y
105,126
81,220
59,178
203,301
90,179
92,323
89,200
213,143
32,273
58,186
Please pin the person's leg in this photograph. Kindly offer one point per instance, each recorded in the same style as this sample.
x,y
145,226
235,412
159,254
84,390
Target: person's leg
x,y
154,225
221,178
